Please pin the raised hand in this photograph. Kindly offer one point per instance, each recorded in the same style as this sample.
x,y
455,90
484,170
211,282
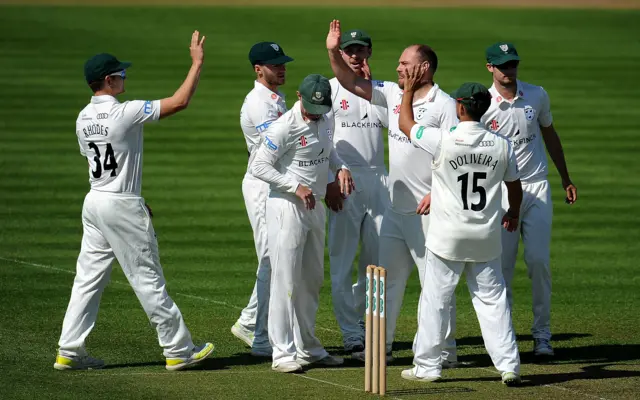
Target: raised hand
x,y
333,38
413,77
196,48
366,69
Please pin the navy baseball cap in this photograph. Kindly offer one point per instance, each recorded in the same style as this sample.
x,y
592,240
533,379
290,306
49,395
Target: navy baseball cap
x,y
268,53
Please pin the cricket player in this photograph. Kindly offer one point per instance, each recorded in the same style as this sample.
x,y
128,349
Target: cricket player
x,y
405,223
521,112
116,223
263,105
295,158
358,141
469,166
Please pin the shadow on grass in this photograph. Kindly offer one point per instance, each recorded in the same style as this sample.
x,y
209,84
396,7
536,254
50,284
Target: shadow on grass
x,y
605,353
431,390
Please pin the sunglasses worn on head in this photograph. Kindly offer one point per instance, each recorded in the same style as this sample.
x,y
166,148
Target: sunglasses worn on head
x,y
508,65
121,74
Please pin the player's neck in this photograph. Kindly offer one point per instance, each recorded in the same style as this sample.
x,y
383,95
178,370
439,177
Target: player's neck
x,y
273,88
423,90
105,92
508,92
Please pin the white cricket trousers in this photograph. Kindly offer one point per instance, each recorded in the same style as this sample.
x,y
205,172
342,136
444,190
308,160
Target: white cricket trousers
x,y
118,226
489,298
403,245
254,316
536,214
359,220
296,240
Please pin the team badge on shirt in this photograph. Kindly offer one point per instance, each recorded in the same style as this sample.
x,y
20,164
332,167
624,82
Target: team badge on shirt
x,y
529,113
420,113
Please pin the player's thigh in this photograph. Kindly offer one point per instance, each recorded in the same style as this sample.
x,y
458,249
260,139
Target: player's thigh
x,y
344,225
537,222
415,228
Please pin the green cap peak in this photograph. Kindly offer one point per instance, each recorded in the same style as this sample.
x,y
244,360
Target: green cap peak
x,y
315,91
99,66
355,36
268,53
501,52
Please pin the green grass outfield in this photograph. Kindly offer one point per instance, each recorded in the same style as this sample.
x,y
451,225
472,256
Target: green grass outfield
x,y
588,61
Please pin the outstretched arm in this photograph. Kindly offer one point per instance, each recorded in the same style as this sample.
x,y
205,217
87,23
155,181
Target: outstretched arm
x,y
181,98
554,147
348,79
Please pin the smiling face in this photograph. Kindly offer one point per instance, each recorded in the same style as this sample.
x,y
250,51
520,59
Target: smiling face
x,y
355,55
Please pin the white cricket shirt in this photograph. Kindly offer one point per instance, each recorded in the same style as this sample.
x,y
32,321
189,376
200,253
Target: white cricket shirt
x,y
260,108
358,129
295,151
520,121
410,168
110,136
469,166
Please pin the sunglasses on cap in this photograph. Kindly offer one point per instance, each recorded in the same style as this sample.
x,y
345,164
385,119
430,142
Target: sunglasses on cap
x,y
121,74
508,65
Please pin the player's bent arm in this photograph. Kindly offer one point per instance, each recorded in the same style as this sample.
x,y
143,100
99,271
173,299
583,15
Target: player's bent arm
x,y
554,147
427,139
406,121
181,98
263,166
348,79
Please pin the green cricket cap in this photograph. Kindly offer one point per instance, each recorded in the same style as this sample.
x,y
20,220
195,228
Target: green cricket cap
x,y
473,95
315,91
355,36
501,52
268,53
99,66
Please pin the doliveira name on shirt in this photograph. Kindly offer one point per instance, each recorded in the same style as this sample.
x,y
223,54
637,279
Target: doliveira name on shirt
x,y
481,159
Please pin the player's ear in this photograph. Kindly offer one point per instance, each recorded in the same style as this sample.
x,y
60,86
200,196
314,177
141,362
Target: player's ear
x,y
299,97
489,67
257,70
369,51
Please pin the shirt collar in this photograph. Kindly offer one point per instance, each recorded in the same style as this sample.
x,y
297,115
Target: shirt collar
x,y
499,99
260,86
429,97
105,98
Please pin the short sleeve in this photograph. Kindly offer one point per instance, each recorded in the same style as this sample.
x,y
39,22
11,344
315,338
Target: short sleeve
x,y
448,117
380,91
544,114
512,173
138,112
428,139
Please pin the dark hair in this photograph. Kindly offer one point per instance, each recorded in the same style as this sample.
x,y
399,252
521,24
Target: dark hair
x,y
477,106
97,85
426,53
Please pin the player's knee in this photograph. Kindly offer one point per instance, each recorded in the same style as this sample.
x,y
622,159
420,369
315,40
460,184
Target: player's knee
x,y
537,262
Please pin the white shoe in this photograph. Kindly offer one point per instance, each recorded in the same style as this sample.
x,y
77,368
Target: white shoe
x,y
511,379
287,366
262,351
242,333
542,347
409,375
329,360
79,362
198,355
